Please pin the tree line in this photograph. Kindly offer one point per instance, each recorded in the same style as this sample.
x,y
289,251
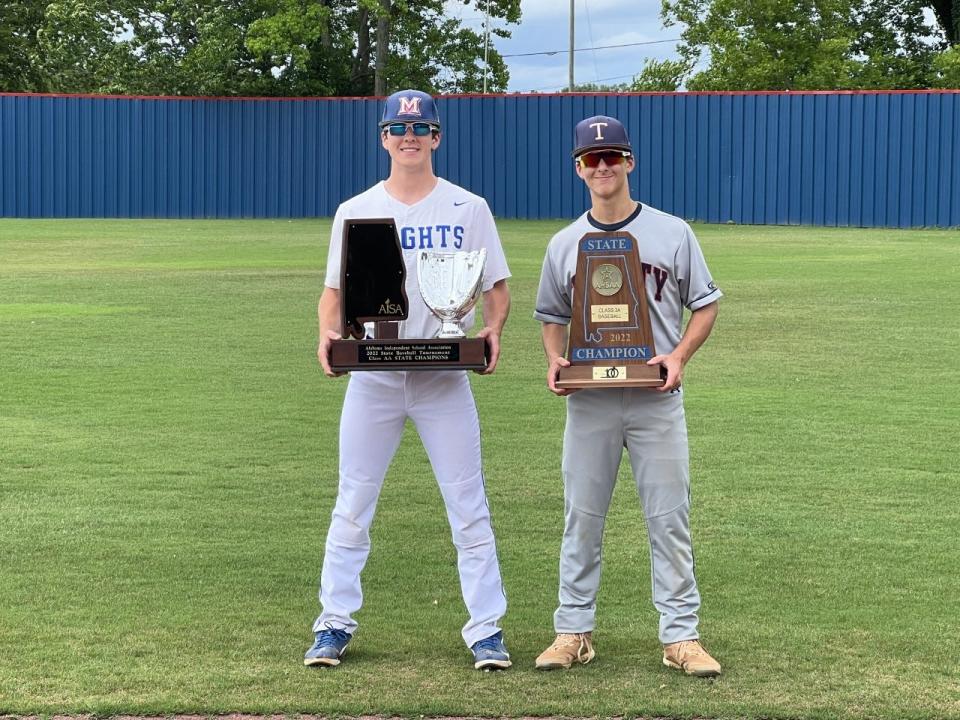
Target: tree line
x,y
809,45
248,47
372,47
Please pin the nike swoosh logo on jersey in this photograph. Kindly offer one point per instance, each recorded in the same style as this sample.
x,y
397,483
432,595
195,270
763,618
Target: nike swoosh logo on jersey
x,y
462,202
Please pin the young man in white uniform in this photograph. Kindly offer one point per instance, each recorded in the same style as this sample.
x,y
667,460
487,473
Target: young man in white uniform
x,y
430,213
650,423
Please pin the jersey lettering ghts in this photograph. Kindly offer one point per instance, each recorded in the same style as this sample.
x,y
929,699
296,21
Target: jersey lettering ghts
x,y
431,237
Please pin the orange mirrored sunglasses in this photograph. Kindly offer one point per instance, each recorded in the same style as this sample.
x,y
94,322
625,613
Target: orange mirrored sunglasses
x,y
609,157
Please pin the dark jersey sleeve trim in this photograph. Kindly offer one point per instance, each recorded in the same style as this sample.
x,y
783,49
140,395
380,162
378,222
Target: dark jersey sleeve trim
x,y
704,300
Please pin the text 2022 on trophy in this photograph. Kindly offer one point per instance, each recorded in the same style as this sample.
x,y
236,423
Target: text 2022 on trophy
x,y
372,281
610,335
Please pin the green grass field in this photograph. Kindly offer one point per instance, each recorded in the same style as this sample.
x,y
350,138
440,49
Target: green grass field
x,y
168,466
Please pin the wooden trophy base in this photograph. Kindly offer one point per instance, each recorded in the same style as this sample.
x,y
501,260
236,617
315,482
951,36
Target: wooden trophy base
x,y
600,376
407,354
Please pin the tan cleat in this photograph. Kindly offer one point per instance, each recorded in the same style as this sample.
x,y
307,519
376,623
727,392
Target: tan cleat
x,y
567,649
691,657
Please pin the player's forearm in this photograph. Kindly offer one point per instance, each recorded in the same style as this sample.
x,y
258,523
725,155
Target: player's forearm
x,y
554,340
698,330
328,311
496,306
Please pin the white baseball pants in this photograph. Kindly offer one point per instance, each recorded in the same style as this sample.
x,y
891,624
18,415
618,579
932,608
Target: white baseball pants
x,y
442,408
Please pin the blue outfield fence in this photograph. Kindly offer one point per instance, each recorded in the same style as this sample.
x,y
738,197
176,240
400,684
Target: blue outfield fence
x,y
889,159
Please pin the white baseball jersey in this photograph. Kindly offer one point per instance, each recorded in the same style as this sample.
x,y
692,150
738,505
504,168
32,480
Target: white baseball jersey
x,y
674,270
447,220
438,402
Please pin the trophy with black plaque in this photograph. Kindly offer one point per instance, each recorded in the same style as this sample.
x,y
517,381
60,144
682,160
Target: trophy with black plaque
x,y
372,280
610,335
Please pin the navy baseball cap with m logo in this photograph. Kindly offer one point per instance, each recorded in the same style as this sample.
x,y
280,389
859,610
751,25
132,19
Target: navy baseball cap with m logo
x,y
410,106
600,132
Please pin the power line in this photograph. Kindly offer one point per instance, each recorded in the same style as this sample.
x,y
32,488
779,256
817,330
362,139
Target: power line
x,y
596,68
599,47
561,87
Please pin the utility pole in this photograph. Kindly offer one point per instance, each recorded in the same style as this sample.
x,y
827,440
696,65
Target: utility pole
x,y
486,46
570,87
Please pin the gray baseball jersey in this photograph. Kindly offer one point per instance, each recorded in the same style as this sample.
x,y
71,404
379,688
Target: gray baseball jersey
x,y
651,425
674,269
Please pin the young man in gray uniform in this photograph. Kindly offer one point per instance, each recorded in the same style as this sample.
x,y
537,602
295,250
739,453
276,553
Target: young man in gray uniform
x,y
648,422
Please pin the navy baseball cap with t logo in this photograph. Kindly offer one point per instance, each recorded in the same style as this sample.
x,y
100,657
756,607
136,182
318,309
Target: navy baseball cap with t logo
x,y
410,106
600,133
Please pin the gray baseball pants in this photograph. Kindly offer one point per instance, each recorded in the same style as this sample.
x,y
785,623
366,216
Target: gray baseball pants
x,y
652,426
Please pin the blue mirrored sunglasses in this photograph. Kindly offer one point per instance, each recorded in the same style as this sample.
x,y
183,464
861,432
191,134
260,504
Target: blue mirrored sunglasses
x,y
420,129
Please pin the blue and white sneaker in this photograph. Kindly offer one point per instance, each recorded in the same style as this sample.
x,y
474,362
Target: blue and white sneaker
x,y
490,653
328,647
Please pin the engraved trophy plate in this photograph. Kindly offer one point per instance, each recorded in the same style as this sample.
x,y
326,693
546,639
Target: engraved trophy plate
x,y
372,290
610,334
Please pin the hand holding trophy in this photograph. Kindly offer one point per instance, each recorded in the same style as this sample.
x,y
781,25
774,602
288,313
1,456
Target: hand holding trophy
x,y
610,339
372,284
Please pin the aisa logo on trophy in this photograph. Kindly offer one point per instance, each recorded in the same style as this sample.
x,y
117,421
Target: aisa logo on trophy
x,y
610,335
372,291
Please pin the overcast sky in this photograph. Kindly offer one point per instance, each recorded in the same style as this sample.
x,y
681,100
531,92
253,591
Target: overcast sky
x,y
545,26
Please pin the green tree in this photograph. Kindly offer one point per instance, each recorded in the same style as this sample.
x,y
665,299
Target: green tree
x,y
79,47
948,15
600,87
19,23
806,44
896,43
249,47
376,46
660,76
947,67
162,48
432,51
198,47
316,48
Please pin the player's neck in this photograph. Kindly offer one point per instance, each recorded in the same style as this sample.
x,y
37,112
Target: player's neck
x,y
610,211
410,186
